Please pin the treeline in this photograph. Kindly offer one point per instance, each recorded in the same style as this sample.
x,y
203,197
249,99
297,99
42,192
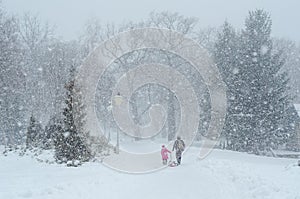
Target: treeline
x,y
37,70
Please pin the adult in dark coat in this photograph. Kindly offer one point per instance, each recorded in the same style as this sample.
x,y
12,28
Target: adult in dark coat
x,y
179,147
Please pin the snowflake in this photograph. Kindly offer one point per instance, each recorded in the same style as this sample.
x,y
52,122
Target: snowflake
x,y
66,134
235,71
264,49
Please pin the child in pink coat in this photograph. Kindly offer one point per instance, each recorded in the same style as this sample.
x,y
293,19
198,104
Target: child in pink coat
x,y
164,154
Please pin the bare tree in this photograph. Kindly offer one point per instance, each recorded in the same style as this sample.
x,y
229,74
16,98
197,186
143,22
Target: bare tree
x,y
11,81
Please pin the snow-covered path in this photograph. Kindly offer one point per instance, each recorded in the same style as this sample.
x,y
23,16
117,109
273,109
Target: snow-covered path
x,y
222,174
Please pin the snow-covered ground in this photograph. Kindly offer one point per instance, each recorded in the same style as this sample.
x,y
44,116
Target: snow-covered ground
x,y
222,175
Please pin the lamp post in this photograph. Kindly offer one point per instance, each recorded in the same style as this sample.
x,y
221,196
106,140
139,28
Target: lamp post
x,y
109,108
118,99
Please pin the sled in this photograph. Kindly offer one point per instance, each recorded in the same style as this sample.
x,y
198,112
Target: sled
x,y
173,164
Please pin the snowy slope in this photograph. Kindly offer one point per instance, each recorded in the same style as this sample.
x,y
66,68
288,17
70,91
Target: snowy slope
x,y
223,174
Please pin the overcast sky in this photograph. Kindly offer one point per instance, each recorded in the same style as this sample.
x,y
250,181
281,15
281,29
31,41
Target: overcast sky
x,y
70,15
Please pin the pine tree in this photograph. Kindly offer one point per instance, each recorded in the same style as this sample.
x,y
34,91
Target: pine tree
x,y
258,102
71,142
226,58
292,125
266,88
34,133
53,128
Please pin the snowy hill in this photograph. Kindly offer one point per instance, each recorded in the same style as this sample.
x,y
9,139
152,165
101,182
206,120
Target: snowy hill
x,y
223,174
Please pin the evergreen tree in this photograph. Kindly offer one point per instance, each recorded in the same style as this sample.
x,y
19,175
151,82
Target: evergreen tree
x,y
34,133
52,129
258,102
71,142
293,125
226,59
266,100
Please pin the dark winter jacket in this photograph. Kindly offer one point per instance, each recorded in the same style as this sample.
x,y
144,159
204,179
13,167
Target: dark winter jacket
x,y
179,145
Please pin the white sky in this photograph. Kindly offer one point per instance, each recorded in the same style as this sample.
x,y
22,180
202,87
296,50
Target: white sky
x,y
70,15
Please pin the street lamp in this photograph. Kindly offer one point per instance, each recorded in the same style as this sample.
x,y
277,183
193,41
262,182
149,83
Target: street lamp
x,y
109,108
118,99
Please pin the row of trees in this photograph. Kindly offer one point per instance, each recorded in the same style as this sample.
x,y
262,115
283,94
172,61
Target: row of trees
x,y
35,74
